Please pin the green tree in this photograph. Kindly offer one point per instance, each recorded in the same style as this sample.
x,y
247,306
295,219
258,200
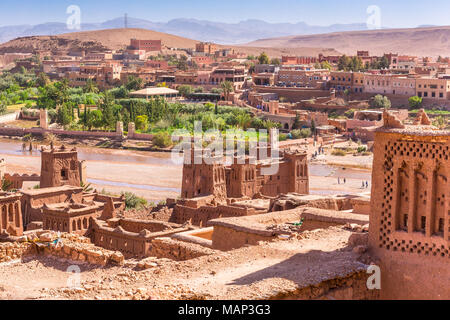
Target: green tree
x,y
134,83
110,116
381,102
162,140
275,61
65,115
227,88
94,119
6,185
326,65
185,90
3,107
344,63
244,120
90,87
142,123
415,102
263,58
42,80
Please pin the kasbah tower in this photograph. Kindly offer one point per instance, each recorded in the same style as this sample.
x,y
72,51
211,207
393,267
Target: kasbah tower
x,y
410,216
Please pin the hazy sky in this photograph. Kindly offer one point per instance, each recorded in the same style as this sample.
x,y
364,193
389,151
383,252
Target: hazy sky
x,y
394,13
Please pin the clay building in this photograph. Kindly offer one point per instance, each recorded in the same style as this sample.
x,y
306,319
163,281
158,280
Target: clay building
x,y
203,179
11,214
206,47
245,178
70,217
131,237
60,166
199,211
75,217
32,201
409,218
147,45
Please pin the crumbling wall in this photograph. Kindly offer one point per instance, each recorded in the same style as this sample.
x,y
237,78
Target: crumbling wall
x,y
351,287
226,239
15,250
177,250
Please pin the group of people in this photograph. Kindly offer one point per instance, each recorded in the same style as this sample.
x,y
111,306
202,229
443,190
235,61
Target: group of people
x,y
318,152
365,184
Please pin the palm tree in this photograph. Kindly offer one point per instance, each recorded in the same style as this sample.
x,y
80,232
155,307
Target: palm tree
x,y
29,139
227,88
86,187
271,125
90,87
51,139
244,121
5,185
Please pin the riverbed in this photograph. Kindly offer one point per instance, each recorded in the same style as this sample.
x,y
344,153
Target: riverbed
x,y
155,176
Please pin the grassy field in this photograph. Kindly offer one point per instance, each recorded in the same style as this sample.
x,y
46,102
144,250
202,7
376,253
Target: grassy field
x,y
23,124
16,107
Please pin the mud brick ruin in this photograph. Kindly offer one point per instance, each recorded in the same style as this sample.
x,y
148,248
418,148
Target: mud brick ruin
x,y
131,237
11,215
70,217
212,189
244,178
61,167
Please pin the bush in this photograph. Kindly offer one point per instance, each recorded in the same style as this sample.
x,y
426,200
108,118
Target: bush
x,y
162,140
2,108
337,152
142,123
301,134
132,201
361,149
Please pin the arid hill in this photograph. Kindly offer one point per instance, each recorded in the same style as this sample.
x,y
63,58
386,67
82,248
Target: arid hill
x,y
431,41
119,38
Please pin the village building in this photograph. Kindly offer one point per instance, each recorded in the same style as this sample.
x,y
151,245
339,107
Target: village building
x,y
146,45
432,88
206,47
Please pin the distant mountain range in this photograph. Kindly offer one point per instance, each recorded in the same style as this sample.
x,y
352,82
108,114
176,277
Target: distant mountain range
x,y
223,33
425,41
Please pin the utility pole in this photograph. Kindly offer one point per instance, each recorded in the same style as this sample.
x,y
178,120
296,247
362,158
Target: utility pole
x,y
126,21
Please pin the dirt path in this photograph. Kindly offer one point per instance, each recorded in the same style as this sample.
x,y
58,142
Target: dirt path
x,y
248,273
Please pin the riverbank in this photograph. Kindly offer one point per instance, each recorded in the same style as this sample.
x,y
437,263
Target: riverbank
x,y
155,177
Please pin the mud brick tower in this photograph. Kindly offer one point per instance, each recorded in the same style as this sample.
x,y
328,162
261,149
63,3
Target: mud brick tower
x,y
410,213
59,167
204,179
